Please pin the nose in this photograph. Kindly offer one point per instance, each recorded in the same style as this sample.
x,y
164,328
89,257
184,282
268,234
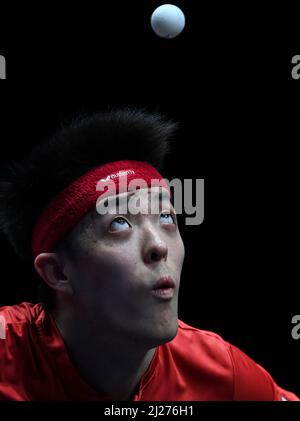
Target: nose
x,y
154,248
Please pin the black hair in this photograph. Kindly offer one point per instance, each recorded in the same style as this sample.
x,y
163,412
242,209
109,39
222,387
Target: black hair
x,y
76,147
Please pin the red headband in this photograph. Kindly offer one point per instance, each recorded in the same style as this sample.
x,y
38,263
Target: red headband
x,y
70,205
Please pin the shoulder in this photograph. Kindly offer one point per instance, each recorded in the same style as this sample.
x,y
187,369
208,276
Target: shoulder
x,y
20,355
213,355
23,313
18,322
249,381
253,382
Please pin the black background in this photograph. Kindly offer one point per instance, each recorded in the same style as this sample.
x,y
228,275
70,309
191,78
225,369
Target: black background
x,y
227,80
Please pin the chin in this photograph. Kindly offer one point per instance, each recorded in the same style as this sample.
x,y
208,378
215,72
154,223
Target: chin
x,y
165,333
173,329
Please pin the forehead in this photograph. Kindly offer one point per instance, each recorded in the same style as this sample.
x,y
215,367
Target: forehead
x,y
147,194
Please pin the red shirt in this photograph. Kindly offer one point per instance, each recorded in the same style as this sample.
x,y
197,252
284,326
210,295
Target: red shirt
x,y
195,366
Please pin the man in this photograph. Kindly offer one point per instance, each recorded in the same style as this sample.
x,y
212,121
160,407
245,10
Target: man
x,y
107,327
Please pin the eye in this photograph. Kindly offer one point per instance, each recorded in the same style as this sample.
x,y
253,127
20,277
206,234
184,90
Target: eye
x,y
167,218
119,224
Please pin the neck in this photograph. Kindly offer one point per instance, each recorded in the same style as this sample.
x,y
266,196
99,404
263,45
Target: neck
x,y
113,365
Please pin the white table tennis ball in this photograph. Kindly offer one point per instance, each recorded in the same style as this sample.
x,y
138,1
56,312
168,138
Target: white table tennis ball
x,y
167,21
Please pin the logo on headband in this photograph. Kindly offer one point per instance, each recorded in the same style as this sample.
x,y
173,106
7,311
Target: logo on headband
x,y
118,174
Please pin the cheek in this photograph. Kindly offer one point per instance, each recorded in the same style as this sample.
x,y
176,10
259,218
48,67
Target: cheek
x,y
106,268
98,287
178,251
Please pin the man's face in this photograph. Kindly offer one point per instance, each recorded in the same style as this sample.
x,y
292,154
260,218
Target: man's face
x,y
120,261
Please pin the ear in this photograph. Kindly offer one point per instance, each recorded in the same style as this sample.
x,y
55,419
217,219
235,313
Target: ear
x,y
51,270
